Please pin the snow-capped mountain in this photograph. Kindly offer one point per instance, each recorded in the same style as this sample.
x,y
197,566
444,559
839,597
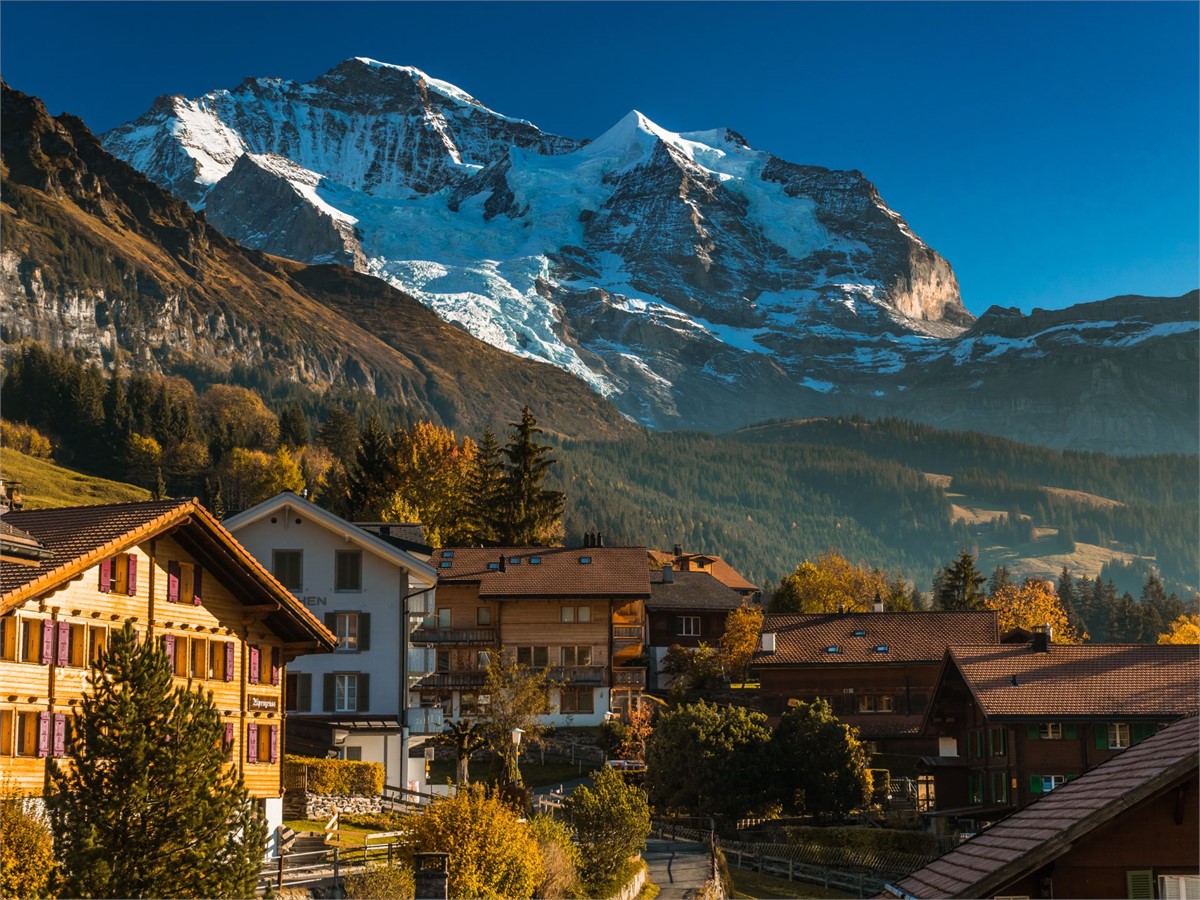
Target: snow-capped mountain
x,y
692,279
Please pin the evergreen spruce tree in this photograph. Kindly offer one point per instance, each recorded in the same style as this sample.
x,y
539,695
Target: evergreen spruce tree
x,y
151,806
530,515
373,476
486,488
1000,578
293,427
957,586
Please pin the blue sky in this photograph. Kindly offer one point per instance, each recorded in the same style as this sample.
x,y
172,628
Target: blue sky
x,y
1049,151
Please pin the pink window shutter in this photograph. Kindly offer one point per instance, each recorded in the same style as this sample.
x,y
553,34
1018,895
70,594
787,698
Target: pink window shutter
x,y
48,632
251,743
229,737
274,743
64,644
131,582
60,734
169,648
229,662
43,747
172,582
197,584
252,675
106,576
275,665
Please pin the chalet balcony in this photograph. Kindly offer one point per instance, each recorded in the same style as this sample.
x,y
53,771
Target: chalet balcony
x,y
479,637
585,675
629,676
627,632
452,681
426,720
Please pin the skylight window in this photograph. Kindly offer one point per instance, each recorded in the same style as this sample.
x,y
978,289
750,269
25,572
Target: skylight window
x,y
585,560
535,560
448,554
445,564
862,632
881,648
492,567
514,560
833,648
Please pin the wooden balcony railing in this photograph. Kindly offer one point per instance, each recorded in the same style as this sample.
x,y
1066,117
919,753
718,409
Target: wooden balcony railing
x,y
627,632
451,681
476,636
629,676
578,674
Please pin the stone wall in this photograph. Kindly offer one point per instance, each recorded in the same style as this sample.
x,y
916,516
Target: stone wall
x,y
303,805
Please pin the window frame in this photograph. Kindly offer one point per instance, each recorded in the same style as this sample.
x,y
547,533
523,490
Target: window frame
x,y
574,707
297,555
1115,741
531,654
345,692
338,556
1050,731
346,642
576,654
483,616
682,623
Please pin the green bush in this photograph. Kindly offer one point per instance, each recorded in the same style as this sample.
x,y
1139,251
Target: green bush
x,y
341,776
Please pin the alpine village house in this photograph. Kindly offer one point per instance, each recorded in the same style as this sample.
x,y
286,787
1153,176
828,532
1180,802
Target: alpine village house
x,y
70,576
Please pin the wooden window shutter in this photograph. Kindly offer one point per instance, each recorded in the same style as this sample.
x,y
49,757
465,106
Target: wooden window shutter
x,y
63,655
1139,884
1101,737
169,649
172,582
364,631
1035,784
274,743
229,737
331,621
229,654
364,692
252,743
327,700
1139,733
304,701
131,581
106,570
1031,732
275,665
60,734
252,675
43,744
197,584
1070,732
48,634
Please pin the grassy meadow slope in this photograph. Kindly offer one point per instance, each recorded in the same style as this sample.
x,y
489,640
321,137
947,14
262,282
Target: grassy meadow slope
x,y
44,483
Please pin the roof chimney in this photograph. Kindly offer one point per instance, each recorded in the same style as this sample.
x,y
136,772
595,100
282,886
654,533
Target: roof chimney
x,y
678,550
878,602
768,642
503,567
841,609
599,540
668,575
1041,638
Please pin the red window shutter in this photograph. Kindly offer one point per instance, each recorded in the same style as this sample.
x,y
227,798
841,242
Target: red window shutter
x,y
253,673
60,734
106,576
197,584
131,582
48,633
172,582
251,743
229,663
63,656
169,648
274,743
275,665
43,749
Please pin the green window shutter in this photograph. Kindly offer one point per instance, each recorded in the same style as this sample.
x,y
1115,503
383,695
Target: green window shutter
x,y
1035,784
364,631
1138,733
1070,732
991,743
327,705
331,621
304,682
1101,736
1032,732
1139,884
364,692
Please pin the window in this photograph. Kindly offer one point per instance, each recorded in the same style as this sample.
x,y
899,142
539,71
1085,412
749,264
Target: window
x,y
352,753
976,742
72,644
998,741
6,732
585,560
348,570
577,656
119,574
885,703
975,789
1043,784
483,615
866,703
1178,887
444,617
688,626
534,657
299,692
288,567
97,641
262,743
199,658
346,629
567,614
999,787
27,733
443,660
220,660
345,693
183,581
31,640
576,614
8,638
180,668
1118,736
268,665
577,700
1050,731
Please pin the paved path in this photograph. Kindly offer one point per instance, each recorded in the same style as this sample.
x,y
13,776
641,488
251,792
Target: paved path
x,y
679,868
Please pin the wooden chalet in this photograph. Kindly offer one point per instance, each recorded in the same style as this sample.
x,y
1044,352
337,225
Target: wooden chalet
x,y
708,564
1128,828
1016,721
169,568
578,612
685,609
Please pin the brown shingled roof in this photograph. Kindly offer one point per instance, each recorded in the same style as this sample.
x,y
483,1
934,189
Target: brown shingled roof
x,y
79,537
1044,830
803,640
547,571
690,590
718,568
1153,680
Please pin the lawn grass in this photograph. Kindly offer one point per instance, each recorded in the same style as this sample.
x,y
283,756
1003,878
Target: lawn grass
x,y
45,484
753,886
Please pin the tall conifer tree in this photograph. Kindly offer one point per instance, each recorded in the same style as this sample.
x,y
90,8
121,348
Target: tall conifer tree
x,y
530,513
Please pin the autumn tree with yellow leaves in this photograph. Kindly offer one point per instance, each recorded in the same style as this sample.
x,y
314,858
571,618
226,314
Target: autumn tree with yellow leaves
x,y
1034,603
742,626
1184,630
831,583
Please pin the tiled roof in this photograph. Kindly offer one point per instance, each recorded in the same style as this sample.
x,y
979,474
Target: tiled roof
x,y
1047,828
878,725
803,640
547,571
690,590
79,537
719,569
20,544
1082,680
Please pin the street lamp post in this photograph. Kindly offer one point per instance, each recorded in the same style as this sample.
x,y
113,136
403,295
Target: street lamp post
x,y
514,777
